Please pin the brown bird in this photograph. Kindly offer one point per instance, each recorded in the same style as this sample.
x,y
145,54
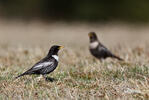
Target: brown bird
x,y
98,50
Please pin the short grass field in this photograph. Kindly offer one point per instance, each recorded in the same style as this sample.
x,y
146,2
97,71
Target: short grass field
x,y
79,76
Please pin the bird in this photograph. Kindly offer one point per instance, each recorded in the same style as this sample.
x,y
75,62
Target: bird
x,y
98,50
46,65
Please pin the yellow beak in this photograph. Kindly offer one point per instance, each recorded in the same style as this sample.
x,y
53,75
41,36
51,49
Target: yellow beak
x,y
90,34
61,47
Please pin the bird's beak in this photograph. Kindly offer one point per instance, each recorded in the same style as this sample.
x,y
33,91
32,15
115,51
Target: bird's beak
x,y
61,47
90,34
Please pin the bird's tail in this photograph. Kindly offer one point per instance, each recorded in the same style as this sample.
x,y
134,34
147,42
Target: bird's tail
x,y
117,58
20,75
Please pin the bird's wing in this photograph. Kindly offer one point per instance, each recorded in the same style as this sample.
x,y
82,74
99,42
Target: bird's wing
x,y
100,48
42,65
38,66
104,51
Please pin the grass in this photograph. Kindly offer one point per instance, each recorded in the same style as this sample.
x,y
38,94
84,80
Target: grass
x,y
79,76
82,77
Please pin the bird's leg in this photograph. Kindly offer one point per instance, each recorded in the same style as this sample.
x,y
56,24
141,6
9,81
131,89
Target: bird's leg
x,y
39,78
44,76
101,60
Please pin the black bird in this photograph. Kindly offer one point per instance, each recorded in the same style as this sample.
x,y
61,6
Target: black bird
x,y
45,65
98,50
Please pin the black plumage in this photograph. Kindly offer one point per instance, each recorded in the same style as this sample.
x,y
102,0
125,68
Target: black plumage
x,y
46,65
98,50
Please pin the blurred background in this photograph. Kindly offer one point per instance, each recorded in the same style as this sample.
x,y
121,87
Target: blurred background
x,y
54,20
70,10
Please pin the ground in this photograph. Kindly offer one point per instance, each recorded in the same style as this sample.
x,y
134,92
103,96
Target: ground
x,y
79,75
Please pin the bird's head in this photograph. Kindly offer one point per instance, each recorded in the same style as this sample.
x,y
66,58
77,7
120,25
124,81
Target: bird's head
x,y
54,50
92,36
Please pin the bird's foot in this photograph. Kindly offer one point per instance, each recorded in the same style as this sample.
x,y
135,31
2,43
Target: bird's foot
x,y
50,79
39,78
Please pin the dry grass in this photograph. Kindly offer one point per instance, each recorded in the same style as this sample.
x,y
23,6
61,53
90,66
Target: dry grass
x,y
79,76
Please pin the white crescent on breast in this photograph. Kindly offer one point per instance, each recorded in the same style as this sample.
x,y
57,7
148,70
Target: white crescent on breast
x,y
93,45
55,57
